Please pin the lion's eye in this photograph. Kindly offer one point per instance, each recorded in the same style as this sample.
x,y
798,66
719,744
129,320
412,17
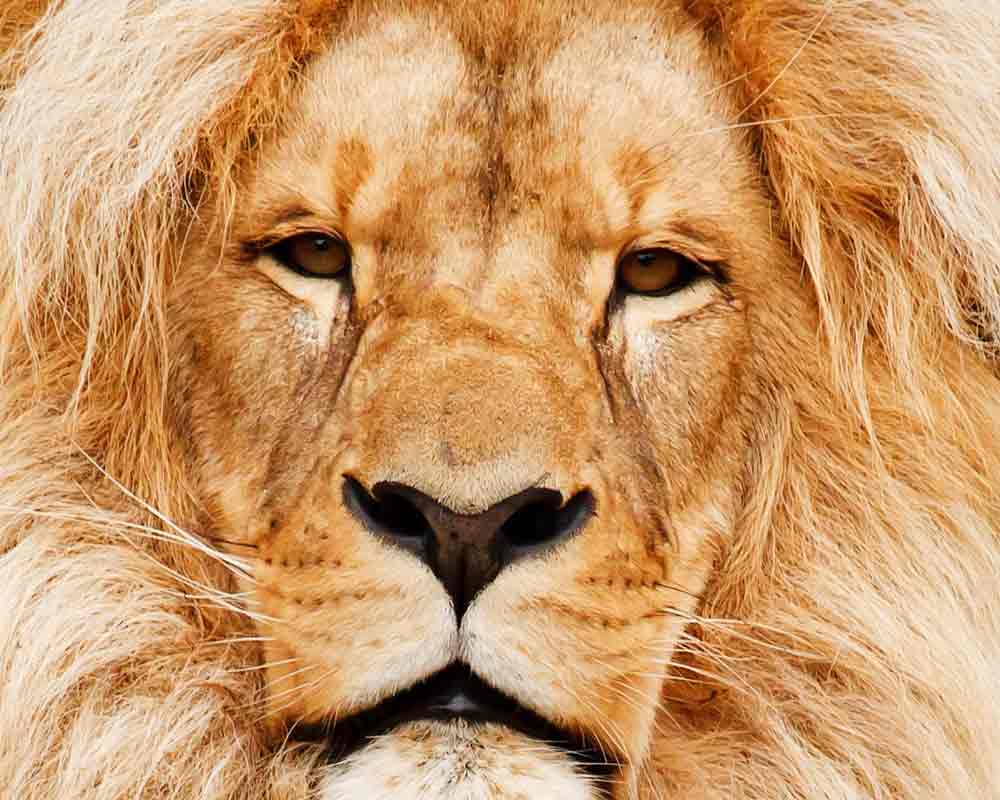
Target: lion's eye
x,y
656,271
314,254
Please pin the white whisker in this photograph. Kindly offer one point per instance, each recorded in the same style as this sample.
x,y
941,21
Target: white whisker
x,y
788,65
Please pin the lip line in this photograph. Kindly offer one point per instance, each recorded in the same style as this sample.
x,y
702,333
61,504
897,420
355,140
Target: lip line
x,y
433,700
436,698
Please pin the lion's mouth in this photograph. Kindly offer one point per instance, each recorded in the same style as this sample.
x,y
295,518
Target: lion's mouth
x,y
453,694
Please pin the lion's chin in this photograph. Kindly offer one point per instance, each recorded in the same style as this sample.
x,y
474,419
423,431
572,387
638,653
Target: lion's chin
x,y
457,760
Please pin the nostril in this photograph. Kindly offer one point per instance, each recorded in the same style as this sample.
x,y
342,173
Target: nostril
x,y
386,511
467,551
544,523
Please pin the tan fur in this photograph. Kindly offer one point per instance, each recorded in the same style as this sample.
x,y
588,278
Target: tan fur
x,y
790,588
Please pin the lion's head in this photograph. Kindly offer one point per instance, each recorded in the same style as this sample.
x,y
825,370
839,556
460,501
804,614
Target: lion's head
x,y
523,400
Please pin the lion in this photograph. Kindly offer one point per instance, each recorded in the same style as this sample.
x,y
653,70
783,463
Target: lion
x,y
420,400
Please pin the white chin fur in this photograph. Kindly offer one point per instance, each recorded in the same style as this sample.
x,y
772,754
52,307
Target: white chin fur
x,y
456,761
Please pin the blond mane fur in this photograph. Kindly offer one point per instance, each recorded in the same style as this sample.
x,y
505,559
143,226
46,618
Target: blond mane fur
x,y
850,640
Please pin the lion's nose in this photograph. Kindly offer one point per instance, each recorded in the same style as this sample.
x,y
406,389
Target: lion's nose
x,y
467,551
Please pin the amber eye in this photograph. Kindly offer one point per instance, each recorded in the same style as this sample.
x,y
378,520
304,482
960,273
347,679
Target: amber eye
x,y
656,271
314,254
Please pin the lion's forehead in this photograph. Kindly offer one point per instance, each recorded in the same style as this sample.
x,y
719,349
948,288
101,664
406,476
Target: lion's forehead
x,y
484,162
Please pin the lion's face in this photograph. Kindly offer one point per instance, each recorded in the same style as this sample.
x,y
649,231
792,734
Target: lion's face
x,y
470,382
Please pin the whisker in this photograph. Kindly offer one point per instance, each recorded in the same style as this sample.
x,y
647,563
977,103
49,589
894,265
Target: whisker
x,y
212,595
238,640
230,542
649,173
268,665
302,690
143,531
610,733
675,588
175,535
731,626
186,536
291,689
219,598
290,675
731,81
791,61
781,120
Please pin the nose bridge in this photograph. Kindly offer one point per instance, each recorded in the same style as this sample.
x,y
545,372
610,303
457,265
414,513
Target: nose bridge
x,y
470,453
463,411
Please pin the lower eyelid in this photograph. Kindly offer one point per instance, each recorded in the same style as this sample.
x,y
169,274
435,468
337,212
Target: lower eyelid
x,y
673,306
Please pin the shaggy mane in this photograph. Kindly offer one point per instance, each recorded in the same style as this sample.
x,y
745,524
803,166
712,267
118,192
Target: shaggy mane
x,y
849,643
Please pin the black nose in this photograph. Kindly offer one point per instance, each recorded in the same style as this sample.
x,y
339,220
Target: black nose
x,y
467,551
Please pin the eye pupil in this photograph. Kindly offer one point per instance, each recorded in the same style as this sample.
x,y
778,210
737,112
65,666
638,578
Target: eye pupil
x,y
645,259
321,243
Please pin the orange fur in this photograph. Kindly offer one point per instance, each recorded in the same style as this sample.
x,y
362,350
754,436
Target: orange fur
x,y
791,587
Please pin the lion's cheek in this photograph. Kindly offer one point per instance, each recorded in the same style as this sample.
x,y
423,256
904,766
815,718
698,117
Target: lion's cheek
x,y
586,637
429,760
321,625
590,656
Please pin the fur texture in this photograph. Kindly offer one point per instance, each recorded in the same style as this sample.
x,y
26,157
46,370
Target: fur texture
x,y
836,633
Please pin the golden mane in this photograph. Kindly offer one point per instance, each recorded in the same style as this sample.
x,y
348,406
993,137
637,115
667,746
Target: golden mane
x,y
852,633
